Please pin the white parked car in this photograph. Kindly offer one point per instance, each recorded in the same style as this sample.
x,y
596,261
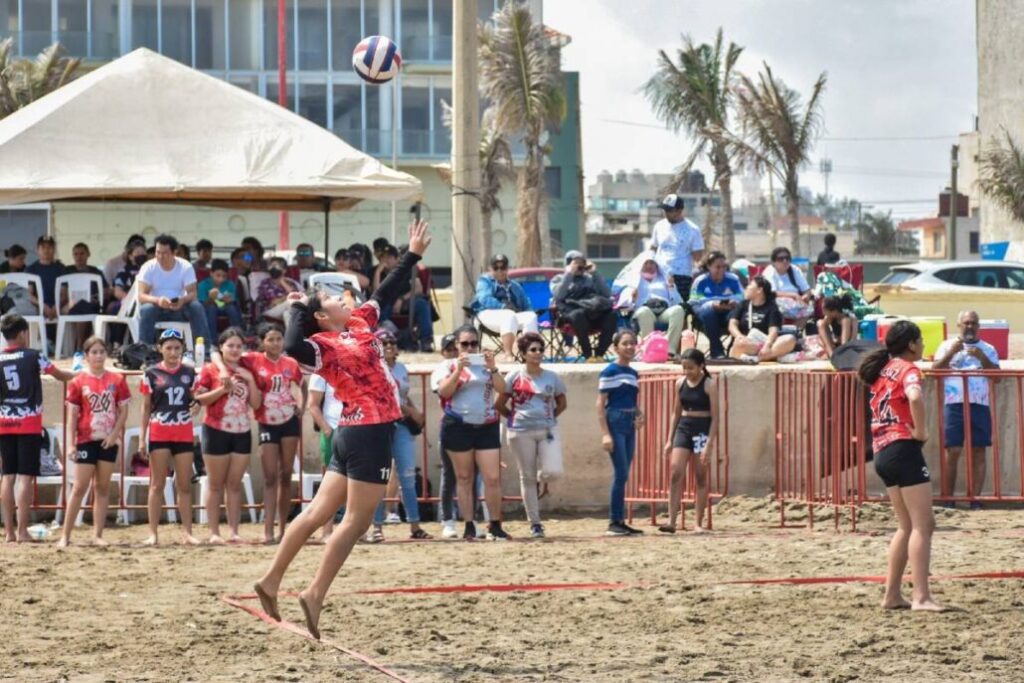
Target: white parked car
x,y
938,276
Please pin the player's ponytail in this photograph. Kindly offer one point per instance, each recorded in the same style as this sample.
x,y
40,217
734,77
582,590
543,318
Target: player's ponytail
x,y
898,339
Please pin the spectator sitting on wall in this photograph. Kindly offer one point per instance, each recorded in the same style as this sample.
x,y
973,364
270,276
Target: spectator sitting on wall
x,y
204,255
755,325
583,300
792,293
966,352
714,295
167,292
350,264
115,265
654,299
48,268
15,262
125,278
501,305
828,254
271,298
838,324
219,297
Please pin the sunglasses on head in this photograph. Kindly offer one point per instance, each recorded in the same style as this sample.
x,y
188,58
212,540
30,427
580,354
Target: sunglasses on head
x,y
469,344
172,333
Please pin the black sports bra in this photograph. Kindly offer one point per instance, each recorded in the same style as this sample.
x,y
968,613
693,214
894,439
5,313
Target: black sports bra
x,y
694,399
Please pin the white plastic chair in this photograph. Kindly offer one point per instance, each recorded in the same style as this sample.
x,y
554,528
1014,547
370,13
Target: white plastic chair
x,y
333,283
80,288
204,486
126,315
58,480
307,479
131,481
33,283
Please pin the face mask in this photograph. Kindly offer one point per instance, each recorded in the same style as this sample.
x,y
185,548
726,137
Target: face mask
x,y
139,260
275,273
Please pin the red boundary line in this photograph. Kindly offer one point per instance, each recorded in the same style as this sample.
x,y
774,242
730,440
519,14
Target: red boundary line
x,y
288,626
807,580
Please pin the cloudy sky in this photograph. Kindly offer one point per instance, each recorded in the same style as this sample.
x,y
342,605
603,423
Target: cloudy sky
x,y
897,69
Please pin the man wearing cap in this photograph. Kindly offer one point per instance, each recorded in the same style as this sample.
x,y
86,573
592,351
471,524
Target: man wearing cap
x,y
677,244
584,301
502,305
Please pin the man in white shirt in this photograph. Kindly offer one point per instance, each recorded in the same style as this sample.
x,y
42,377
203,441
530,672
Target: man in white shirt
x,y
167,292
966,352
677,244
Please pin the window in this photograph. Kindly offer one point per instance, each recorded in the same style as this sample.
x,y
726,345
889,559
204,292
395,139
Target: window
x,y
72,26
209,36
273,90
312,29
442,136
442,30
345,32
378,136
9,18
737,227
22,226
176,30
973,277
602,250
553,181
270,35
1014,278
348,114
244,24
313,102
37,28
250,83
144,24
105,35
901,275
556,238
485,9
415,27
974,246
415,117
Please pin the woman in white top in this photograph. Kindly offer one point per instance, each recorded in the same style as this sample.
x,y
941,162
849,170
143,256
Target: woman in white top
x,y
793,295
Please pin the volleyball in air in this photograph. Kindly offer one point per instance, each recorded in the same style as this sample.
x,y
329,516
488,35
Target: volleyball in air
x,y
376,59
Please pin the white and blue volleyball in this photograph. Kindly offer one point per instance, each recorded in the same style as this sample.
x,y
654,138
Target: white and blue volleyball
x,y
376,59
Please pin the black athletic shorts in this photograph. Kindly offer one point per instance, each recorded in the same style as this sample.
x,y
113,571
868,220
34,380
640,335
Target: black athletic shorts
x,y
692,433
274,433
219,442
459,436
20,454
363,452
91,452
901,463
175,447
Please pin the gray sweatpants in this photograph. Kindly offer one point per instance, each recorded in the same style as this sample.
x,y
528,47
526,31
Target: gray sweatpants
x,y
539,452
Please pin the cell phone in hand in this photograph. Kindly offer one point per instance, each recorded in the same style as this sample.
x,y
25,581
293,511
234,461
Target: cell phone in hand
x,y
476,359
174,300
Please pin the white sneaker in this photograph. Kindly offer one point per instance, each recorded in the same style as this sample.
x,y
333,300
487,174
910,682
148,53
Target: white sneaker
x,y
448,529
749,358
392,518
792,357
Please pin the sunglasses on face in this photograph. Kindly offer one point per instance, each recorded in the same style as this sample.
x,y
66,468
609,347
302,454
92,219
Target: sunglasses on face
x,y
469,344
783,258
499,267
389,343
535,349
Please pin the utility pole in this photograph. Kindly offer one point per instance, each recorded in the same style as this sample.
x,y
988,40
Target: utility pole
x,y
466,219
954,203
283,230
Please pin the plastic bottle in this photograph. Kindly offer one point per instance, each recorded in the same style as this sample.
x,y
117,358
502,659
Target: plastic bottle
x,y
78,364
200,352
38,531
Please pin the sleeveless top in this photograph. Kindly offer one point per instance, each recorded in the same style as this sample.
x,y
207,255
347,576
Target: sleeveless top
x,y
694,399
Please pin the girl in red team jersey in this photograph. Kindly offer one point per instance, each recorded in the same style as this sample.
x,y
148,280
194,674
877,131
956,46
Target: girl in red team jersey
x,y
227,431
166,432
898,433
97,409
337,341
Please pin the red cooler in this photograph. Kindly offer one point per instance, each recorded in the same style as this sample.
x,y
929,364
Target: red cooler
x,y
996,333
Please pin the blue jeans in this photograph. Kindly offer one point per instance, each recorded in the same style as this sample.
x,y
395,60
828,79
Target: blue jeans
x,y
229,311
151,314
714,322
404,452
621,425
420,317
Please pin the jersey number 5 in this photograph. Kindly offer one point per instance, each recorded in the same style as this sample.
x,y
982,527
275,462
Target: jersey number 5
x,y
11,378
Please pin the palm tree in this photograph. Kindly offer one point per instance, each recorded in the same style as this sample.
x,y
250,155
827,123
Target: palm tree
x,y
1002,175
779,132
520,76
694,93
879,235
24,81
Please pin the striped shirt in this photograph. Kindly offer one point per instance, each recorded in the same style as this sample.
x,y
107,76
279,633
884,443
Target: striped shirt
x,y
622,384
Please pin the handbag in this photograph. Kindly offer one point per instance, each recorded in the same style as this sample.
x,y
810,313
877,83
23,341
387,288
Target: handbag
x,y
412,425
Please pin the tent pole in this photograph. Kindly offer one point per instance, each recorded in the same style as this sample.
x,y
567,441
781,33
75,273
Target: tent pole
x,y
327,230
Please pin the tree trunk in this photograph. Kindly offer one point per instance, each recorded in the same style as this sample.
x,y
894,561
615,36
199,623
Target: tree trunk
x,y
708,233
528,211
728,234
486,234
793,209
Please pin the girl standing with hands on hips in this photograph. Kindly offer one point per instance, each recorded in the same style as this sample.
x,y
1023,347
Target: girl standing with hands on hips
x,y
619,417
898,433
691,435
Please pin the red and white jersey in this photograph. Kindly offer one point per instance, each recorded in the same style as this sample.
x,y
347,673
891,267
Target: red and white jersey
x,y
170,415
353,364
274,379
890,408
229,413
97,400
21,390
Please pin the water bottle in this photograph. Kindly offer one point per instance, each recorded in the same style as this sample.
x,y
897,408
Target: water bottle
x,y
78,364
200,354
38,532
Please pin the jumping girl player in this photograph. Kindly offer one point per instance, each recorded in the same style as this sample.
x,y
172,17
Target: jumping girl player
x,y
166,432
21,421
898,433
323,332
691,435
227,431
97,401
619,417
279,380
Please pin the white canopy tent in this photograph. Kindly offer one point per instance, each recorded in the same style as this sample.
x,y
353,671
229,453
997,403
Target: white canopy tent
x,y
146,128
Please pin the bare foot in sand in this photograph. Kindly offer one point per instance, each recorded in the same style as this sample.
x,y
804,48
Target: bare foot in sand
x,y
152,540
899,603
189,539
311,610
25,539
235,538
268,599
701,530
215,540
63,543
100,542
927,606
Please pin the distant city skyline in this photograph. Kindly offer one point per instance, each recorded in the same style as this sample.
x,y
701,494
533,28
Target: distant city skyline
x,y
902,84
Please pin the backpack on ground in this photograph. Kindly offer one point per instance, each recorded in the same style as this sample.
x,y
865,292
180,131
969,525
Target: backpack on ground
x,y
137,356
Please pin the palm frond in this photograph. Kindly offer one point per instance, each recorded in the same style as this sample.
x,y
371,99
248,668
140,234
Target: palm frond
x,y
24,81
1001,174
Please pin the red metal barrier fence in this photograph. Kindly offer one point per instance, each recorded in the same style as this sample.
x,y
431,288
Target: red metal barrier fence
x,y
650,475
822,439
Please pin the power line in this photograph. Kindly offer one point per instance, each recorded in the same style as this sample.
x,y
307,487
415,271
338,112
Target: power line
x,y
890,138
